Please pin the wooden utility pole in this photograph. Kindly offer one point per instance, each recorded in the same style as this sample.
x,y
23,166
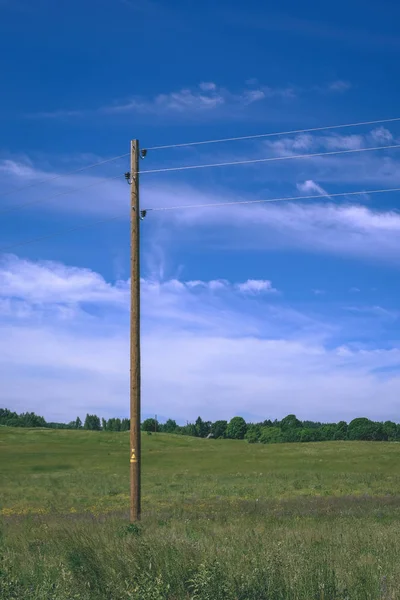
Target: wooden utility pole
x,y
135,458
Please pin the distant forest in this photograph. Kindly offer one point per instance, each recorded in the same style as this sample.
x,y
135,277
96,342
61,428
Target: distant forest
x,y
289,429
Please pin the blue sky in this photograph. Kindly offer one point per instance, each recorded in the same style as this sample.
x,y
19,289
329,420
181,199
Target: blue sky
x,y
259,310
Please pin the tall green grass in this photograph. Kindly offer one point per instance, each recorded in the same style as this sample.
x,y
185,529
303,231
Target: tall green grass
x,y
221,519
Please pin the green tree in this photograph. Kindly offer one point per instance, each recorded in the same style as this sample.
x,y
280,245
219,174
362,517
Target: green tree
x,y
364,429
271,435
32,420
328,432
189,429
290,422
291,434
125,425
202,427
310,434
390,430
92,423
341,431
150,425
218,429
78,423
7,417
253,433
236,429
170,426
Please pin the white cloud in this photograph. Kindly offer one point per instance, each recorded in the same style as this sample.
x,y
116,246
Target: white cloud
x,y
255,286
207,86
251,286
327,227
381,135
330,142
288,146
210,353
19,170
342,142
213,285
253,96
50,282
339,86
207,96
57,114
310,186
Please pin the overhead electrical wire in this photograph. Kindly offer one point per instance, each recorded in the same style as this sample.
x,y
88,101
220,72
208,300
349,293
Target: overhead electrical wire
x,y
210,205
282,199
198,143
268,159
202,166
203,142
277,133
79,170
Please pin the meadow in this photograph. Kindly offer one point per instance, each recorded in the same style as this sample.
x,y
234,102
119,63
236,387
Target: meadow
x,y
222,519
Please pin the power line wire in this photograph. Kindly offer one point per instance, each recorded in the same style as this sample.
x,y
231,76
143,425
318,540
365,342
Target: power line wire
x,y
210,205
278,133
269,159
37,201
198,143
283,199
43,181
191,167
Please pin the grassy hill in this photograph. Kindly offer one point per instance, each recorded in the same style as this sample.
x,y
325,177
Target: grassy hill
x,y
221,518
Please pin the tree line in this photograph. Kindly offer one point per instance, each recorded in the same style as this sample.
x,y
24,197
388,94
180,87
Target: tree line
x,y
91,422
289,429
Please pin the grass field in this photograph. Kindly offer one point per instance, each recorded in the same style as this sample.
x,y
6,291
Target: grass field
x,y
222,519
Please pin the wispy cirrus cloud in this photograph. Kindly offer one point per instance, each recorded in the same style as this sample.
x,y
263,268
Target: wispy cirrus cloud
x,y
341,230
287,146
58,114
205,98
339,85
345,228
310,186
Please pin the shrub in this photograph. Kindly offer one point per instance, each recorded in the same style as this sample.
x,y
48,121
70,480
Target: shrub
x,y
271,435
253,433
